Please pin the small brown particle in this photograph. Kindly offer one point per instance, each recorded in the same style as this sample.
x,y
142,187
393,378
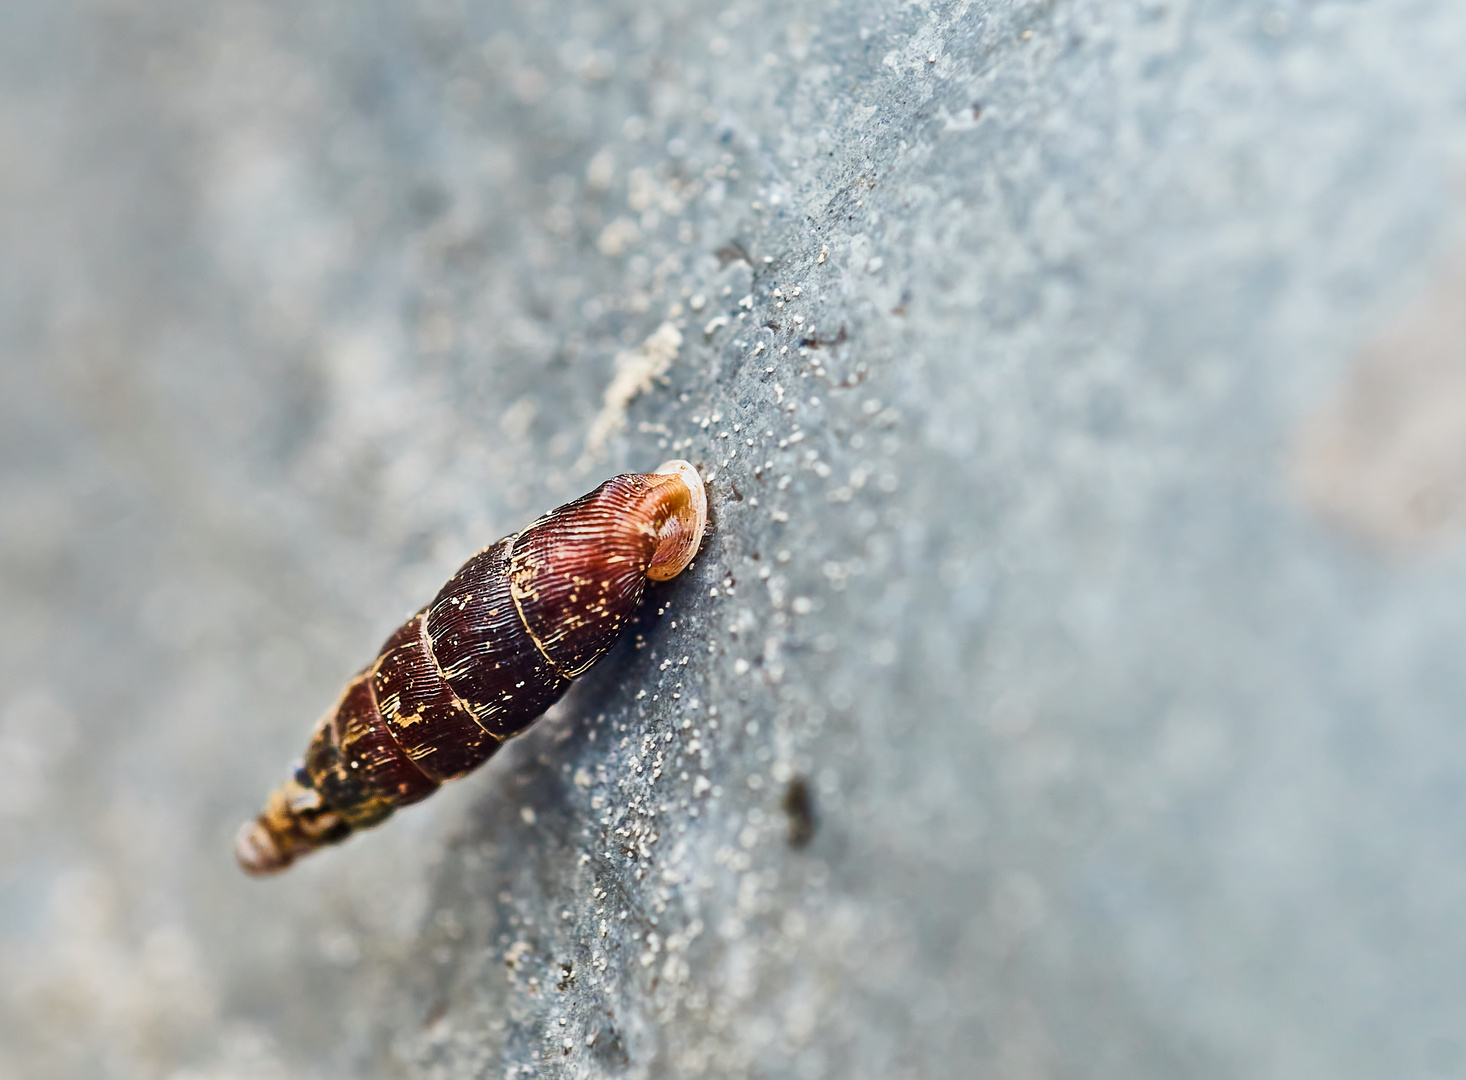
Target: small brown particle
x,y
799,808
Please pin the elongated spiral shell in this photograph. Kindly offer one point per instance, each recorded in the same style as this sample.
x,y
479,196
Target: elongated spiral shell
x,y
497,646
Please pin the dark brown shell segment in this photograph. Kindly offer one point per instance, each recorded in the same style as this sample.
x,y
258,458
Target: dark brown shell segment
x,y
420,709
356,764
480,643
577,574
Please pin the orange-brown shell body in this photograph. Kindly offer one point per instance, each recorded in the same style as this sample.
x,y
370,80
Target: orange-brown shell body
x,y
497,646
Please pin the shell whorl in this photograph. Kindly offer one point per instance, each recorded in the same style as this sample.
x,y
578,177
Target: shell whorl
x,y
496,647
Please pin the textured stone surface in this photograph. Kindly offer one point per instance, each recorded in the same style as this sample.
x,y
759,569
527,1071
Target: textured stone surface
x,y
1016,343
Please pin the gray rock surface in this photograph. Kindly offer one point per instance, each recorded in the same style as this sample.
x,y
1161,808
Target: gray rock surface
x,y
1071,686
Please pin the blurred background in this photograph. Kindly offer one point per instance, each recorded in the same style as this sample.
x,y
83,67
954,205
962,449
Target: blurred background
x,y
1072,682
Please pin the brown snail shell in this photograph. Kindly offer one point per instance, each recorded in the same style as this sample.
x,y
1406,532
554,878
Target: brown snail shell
x,y
497,646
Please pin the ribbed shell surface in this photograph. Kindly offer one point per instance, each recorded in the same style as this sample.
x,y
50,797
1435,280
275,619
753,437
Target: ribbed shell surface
x,y
357,766
481,646
429,721
577,574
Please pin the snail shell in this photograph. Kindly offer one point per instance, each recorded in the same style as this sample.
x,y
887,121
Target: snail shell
x,y
497,646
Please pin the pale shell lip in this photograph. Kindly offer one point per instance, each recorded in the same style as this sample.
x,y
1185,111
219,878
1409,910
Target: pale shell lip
x,y
688,473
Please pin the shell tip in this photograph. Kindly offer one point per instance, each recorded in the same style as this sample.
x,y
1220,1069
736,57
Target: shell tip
x,y
257,850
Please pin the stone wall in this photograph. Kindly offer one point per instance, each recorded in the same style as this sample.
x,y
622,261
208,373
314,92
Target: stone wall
x,y
1071,684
